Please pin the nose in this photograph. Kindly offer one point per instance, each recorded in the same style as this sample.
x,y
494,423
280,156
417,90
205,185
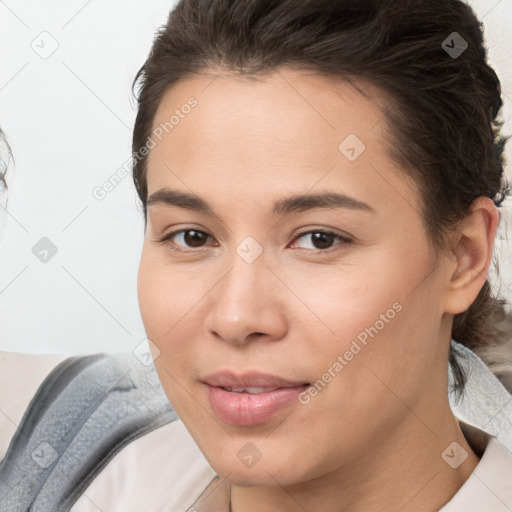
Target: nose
x,y
247,304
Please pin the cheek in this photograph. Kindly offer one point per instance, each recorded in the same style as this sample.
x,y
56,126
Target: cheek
x,y
375,317
169,302
167,295
163,304
340,303
391,352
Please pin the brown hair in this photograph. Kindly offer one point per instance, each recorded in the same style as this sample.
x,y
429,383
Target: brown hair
x,y
443,111
5,158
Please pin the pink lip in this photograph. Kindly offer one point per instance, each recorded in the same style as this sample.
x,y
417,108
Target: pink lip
x,y
247,409
250,379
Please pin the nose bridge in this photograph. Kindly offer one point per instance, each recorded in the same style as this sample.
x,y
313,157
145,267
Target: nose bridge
x,y
245,301
248,268
241,290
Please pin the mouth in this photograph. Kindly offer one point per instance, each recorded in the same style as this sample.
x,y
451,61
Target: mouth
x,y
251,390
250,382
246,406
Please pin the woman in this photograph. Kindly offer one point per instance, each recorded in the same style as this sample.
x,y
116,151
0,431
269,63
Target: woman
x,y
320,219
320,183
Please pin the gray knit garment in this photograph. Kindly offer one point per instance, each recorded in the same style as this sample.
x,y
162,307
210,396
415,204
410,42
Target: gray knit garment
x,y
86,410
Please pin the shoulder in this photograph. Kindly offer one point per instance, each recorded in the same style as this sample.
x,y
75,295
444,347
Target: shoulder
x,y
489,487
162,471
109,413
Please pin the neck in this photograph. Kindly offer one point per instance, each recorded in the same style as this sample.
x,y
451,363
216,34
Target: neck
x,y
401,470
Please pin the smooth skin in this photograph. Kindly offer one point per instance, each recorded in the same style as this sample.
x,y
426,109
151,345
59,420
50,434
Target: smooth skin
x,y
372,439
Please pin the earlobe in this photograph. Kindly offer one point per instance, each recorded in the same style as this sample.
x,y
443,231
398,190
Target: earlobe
x,y
473,244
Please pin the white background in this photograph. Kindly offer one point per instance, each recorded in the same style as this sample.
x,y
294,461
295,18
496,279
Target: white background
x,y
68,118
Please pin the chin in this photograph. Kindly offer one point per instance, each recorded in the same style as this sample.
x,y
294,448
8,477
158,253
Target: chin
x,y
250,477
239,464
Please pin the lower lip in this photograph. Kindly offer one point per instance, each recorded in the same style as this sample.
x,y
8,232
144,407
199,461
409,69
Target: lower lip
x,y
245,409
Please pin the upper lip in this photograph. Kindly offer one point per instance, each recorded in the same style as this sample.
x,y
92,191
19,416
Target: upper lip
x,y
228,378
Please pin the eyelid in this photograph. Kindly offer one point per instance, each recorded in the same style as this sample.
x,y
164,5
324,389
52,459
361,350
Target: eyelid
x,y
166,239
345,239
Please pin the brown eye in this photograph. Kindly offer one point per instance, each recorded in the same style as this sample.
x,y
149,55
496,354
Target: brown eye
x,y
194,238
320,241
187,238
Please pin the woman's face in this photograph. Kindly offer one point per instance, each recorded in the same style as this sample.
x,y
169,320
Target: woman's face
x,y
246,182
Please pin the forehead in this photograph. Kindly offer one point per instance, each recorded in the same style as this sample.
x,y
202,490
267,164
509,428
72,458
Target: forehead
x,y
288,101
279,130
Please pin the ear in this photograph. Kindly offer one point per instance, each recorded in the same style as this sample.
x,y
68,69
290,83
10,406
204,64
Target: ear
x,y
471,247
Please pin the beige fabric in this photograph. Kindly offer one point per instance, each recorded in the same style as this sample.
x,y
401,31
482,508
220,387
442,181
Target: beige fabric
x,y
489,487
163,471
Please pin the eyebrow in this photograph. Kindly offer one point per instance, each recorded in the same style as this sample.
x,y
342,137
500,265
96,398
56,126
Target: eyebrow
x,y
294,203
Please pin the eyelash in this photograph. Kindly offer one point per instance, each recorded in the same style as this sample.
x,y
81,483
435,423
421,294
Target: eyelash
x,y
344,240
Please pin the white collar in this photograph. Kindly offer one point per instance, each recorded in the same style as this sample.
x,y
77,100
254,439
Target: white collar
x,y
489,487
